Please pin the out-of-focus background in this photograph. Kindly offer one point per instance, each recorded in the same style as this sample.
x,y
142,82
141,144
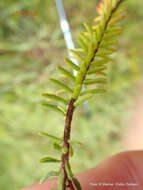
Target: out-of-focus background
x,y
31,46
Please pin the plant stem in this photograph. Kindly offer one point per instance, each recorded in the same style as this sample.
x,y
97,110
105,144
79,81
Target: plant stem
x,y
70,110
65,156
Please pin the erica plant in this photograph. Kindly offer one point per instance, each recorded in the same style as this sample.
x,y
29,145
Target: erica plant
x,y
96,44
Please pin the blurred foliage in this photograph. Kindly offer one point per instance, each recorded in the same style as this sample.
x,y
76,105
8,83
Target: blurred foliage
x,y
30,49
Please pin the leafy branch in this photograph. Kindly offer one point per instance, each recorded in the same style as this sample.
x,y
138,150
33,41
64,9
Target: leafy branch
x,y
96,44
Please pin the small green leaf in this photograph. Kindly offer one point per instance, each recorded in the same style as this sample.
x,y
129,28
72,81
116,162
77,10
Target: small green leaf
x,y
76,142
120,11
101,73
109,43
82,99
99,32
114,29
88,28
116,20
104,52
76,55
68,170
96,70
66,73
71,64
62,109
107,7
58,92
94,91
54,97
70,150
76,183
109,36
57,147
60,141
95,42
114,3
51,136
111,49
53,108
61,181
82,44
95,81
100,62
107,58
48,175
49,159
84,38
61,84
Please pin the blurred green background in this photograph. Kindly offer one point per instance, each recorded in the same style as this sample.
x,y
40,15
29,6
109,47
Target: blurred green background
x,y
30,49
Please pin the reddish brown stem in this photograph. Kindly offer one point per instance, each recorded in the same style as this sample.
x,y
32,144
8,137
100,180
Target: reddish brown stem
x,y
65,156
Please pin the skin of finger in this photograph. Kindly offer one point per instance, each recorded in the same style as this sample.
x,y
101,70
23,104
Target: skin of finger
x,y
123,171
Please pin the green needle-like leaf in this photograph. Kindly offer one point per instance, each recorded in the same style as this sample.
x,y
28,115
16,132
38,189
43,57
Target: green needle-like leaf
x,y
68,170
109,43
82,99
100,62
104,52
71,150
82,44
76,55
62,109
76,183
71,64
57,147
49,160
48,175
51,136
54,97
114,29
96,70
107,58
66,73
120,11
115,20
61,84
88,28
93,91
109,36
61,181
53,107
84,38
76,142
95,81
